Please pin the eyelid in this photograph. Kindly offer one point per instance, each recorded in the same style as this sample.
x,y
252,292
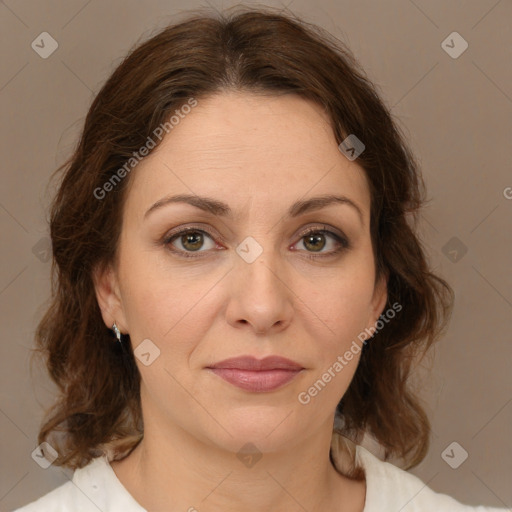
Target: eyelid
x,y
191,227
321,227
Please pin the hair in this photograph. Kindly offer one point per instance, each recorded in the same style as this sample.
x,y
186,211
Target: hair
x,y
255,51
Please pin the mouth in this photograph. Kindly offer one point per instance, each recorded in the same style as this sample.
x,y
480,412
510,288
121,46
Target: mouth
x,y
251,374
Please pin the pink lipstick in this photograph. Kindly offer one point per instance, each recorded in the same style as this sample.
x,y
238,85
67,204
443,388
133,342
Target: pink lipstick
x,y
257,375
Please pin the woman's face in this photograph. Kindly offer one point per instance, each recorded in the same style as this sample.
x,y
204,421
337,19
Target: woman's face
x,y
254,282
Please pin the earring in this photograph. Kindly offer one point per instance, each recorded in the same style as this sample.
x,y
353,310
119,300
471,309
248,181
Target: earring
x,y
117,332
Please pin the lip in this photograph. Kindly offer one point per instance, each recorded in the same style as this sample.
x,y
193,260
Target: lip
x,y
257,375
253,364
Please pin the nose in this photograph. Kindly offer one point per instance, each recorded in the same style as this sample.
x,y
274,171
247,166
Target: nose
x,y
260,297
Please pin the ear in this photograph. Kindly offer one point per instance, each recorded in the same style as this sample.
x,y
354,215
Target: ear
x,y
379,299
109,298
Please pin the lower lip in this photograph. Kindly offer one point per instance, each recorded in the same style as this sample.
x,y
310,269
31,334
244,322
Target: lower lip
x,y
258,381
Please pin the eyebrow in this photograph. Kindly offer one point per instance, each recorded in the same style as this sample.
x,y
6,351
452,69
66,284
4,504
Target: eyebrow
x,y
221,209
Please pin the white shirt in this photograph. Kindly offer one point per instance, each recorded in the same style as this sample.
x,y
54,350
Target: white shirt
x,y
95,487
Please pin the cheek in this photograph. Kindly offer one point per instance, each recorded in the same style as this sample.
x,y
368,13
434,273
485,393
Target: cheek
x,y
338,306
343,309
166,304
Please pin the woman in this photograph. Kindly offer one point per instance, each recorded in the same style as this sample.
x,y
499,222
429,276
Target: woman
x,y
240,294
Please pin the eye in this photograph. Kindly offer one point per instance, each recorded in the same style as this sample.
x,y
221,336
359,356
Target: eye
x,y
191,240
315,240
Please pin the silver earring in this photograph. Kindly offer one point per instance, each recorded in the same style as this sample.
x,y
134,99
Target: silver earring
x,y
117,331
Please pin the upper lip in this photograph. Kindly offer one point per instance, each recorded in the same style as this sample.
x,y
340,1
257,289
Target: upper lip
x,y
254,364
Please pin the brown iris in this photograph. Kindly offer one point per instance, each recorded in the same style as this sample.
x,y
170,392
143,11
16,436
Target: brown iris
x,y
316,241
192,240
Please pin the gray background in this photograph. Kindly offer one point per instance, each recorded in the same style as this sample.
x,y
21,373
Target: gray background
x,y
456,113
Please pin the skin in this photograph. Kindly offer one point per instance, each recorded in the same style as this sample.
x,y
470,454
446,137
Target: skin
x,y
259,154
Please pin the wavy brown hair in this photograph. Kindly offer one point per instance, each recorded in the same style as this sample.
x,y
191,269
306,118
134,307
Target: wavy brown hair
x,y
258,51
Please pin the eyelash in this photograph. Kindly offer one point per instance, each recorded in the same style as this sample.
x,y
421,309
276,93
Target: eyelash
x,y
343,243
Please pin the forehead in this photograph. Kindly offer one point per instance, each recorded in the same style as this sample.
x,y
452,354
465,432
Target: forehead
x,y
242,147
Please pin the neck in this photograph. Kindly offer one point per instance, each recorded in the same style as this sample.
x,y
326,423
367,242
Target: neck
x,y
173,470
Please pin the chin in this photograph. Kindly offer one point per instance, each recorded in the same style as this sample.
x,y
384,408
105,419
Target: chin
x,y
268,432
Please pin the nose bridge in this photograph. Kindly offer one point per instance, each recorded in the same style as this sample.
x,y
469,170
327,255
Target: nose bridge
x,y
258,265
260,296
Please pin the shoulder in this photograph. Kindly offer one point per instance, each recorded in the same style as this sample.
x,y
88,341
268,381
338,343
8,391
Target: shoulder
x,y
393,488
93,487
62,499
